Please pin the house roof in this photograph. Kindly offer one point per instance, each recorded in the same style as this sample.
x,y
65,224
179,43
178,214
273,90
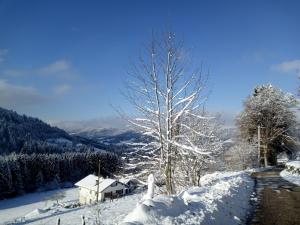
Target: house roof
x,y
126,180
90,182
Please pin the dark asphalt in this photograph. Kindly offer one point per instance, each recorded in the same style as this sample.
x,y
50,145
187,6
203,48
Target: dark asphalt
x,y
278,201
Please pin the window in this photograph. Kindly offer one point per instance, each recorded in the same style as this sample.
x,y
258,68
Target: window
x,y
119,192
108,195
114,184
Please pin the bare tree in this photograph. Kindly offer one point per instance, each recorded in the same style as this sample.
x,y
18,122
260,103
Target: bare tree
x,y
164,92
204,136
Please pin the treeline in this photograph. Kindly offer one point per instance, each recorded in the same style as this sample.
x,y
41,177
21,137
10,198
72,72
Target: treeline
x,y
23,173
19,133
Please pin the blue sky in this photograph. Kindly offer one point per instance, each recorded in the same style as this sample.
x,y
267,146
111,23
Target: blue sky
x,y
64,60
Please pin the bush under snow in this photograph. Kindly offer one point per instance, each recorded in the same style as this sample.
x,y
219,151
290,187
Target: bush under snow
x,y
222,199
292,172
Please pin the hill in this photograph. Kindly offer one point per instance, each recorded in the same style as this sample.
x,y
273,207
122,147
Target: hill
x,y
24,134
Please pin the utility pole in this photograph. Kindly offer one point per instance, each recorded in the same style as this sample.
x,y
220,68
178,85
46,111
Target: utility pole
x,y
258,145
98,181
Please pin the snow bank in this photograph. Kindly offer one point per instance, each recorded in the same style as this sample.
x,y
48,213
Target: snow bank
x,y
292,172
35,213
295,165
222,199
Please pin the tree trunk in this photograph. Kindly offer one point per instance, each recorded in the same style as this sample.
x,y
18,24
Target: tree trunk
x,y
168,173
266,155
198,180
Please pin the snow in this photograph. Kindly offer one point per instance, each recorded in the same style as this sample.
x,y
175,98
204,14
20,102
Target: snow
x,y
151,186
33,209
221,200
293,178
35,213
106,183
22,206
295,164
90,182
292,172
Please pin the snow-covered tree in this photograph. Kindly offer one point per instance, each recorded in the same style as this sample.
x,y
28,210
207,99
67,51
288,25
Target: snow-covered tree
x,y
204,136
165,92
242,155
272,110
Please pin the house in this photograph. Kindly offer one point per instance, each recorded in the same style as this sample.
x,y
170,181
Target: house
x,y
108,188
131,183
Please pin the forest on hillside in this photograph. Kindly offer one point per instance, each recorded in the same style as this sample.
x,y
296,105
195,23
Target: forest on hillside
x,y
24,173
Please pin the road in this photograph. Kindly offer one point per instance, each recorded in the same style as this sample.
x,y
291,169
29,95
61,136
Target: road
x,y
278,201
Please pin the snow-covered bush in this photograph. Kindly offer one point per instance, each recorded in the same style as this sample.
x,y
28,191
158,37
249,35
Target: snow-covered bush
x,y
241,156
293,167
291,172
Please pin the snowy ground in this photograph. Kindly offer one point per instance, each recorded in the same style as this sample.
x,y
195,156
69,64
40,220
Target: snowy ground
x,y
223,199
292,172
33,209
11,209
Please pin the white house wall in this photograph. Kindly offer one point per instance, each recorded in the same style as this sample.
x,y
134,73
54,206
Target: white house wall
x,y
87,196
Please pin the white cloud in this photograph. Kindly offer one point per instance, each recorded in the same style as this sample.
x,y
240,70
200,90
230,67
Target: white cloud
x,y
15,95
62,89
3,53
59,66
288,66
14,73
60,69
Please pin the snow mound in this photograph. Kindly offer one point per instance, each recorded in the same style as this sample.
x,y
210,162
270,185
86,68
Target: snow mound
x,y
35,213
223,199
294,164
292,172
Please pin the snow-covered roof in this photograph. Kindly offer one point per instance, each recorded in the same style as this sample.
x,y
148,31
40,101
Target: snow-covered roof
x,y
126,180
90,182
105,184
228,141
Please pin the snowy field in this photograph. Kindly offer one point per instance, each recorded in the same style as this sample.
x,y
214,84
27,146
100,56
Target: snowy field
x,y
222,199
11,209
292,172
34,209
